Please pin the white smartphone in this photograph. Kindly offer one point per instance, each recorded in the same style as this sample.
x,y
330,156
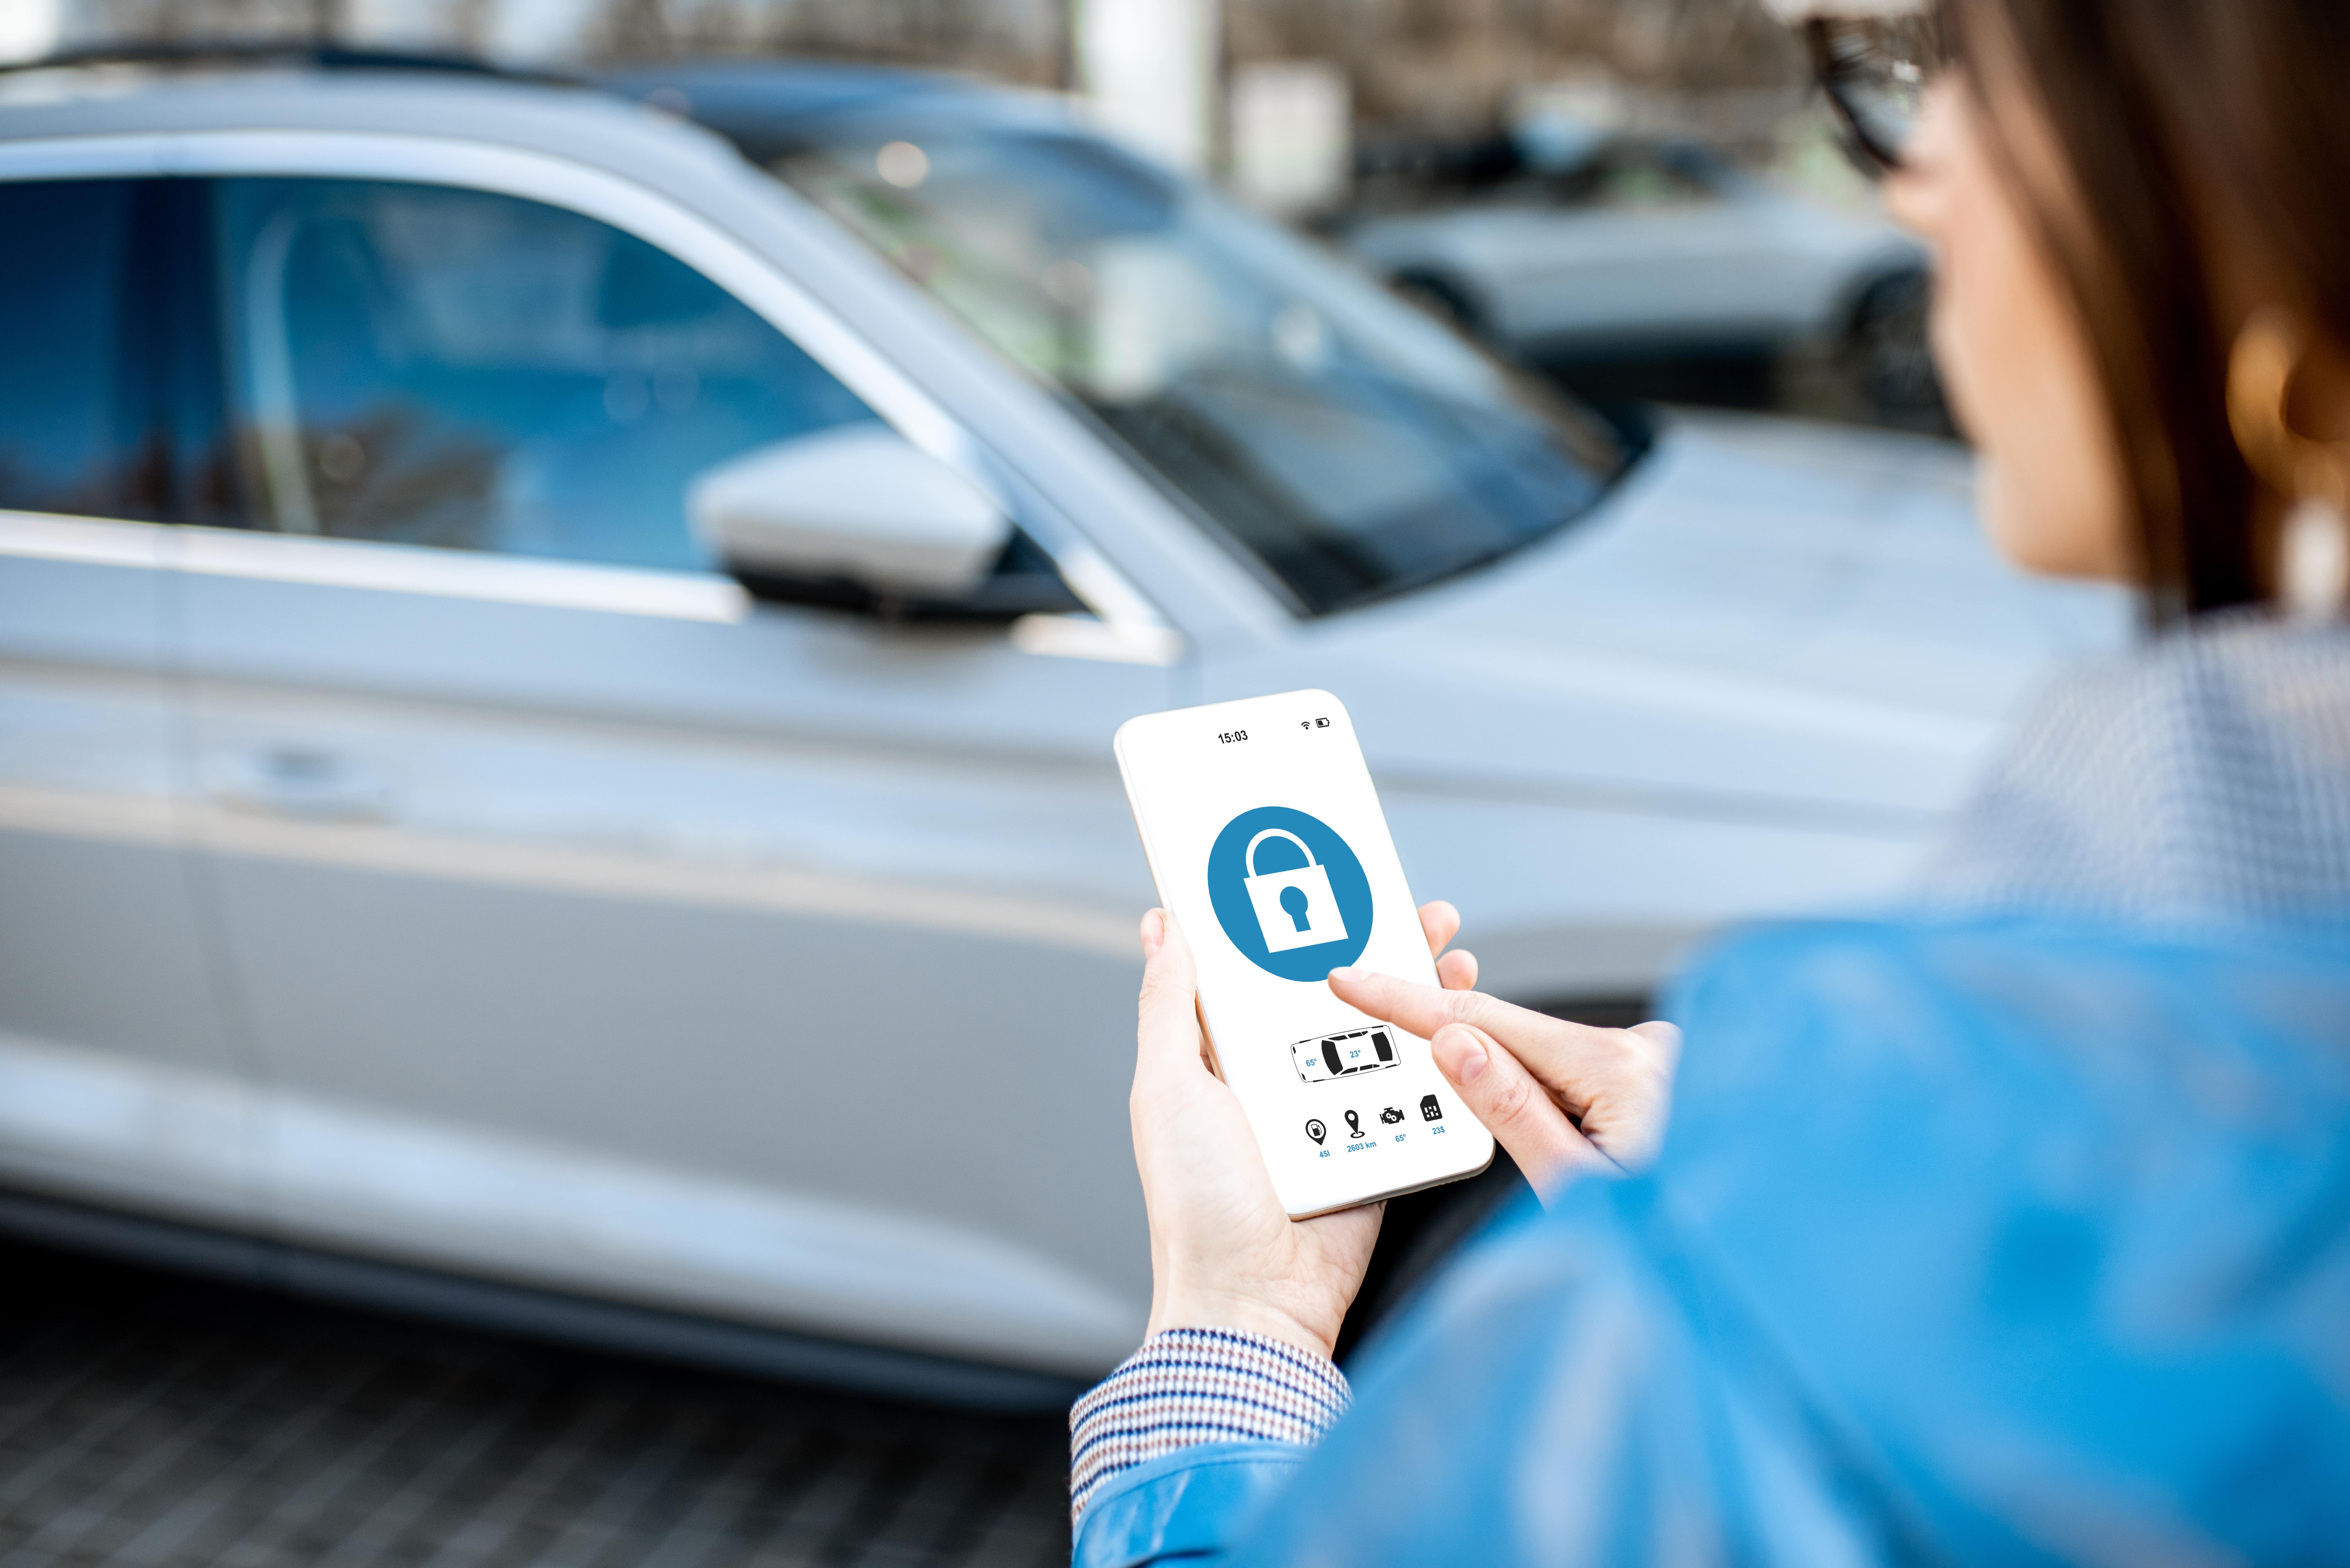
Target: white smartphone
x,y
1265,837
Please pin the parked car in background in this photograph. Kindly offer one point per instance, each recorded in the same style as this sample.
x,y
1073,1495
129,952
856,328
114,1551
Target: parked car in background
x,y
558,670
1575,249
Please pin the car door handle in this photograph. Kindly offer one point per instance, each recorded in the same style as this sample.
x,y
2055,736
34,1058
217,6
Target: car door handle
x,y
312,782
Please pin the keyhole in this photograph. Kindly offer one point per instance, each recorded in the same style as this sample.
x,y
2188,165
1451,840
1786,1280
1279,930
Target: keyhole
x,y
1293,899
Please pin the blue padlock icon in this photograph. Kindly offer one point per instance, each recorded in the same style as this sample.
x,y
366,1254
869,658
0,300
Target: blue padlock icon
x,y
1293,909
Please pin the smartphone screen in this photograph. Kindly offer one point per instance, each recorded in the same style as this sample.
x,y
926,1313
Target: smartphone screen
x,y
1265,837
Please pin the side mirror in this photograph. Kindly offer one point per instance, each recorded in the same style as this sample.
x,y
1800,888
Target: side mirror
x,y
859,508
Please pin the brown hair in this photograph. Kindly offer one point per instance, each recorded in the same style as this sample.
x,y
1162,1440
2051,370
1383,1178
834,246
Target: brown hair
x,y
2207,151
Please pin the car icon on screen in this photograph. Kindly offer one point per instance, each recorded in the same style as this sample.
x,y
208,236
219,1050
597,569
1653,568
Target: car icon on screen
x,y
1326,1056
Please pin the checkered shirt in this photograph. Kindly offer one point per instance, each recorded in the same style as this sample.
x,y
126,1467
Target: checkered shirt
x,y
2205,775
1189,1386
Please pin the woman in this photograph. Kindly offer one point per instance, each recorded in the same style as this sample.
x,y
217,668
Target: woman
x,y
2012,1226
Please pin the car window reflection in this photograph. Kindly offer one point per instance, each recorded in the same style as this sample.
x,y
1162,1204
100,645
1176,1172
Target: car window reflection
x,y
457,368
1352,445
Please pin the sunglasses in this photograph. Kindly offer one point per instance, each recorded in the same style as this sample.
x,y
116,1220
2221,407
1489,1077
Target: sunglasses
x,y
1875,70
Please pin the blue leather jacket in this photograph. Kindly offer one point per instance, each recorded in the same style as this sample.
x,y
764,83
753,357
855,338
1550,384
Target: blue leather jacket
x,y
1976,1240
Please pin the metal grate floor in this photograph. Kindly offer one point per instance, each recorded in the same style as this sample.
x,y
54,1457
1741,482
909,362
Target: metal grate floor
x,y
150,1419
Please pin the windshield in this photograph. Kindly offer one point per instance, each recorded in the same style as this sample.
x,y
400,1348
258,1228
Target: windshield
x,y
1352,445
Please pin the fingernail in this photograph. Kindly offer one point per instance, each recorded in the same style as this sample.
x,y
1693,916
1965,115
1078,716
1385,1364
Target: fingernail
x,y
1154,932
1460,1053
1348,972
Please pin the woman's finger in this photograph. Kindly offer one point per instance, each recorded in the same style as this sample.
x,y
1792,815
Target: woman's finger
x,y
1168,1038
1663,1039
1439,922
1516,1109
1578,1063
1424,1009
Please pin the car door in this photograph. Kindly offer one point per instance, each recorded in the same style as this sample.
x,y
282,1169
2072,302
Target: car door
x,y
599,927
119,1085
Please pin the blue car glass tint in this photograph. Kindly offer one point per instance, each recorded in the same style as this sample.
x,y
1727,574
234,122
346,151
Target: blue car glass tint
x,y
70,441
450,367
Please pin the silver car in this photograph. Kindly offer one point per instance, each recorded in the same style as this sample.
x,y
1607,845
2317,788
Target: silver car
x,y
1586,251
556,679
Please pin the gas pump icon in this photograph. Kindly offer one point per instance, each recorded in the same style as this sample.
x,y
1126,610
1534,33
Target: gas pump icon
x,y
1293,909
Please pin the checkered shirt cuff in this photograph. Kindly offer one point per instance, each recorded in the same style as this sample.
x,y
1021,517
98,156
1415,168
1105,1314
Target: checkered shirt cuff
x,y
1189,1386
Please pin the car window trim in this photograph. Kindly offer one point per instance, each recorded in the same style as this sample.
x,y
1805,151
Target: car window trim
x,y
1126,627
372,565
84,541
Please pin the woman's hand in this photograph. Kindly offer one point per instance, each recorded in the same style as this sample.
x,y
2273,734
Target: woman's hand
x,y
1224,1252
1561,1097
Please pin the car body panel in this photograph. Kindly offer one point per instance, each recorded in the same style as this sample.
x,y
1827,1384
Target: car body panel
x,y
1784,649
714,903
119,1080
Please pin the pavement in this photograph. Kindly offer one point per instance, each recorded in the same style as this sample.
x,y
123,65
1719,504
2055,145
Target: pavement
x,y
150,1419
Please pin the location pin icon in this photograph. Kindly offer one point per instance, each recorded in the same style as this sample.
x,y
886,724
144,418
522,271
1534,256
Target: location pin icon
x,y
1316,1131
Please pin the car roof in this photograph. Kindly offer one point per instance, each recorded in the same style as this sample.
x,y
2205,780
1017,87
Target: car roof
x,y
583,123
644,124
761,104
798,89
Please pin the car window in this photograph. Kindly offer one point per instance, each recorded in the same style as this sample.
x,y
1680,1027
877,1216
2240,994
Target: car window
x,y
1348,443
440,367
70,441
